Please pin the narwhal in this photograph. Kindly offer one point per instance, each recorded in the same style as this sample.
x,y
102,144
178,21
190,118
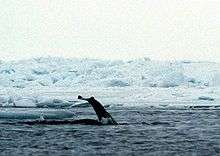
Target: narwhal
x,y
104,118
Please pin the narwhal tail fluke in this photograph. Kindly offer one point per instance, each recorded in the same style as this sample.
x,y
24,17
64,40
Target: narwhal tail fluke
x,y
82,98
102,114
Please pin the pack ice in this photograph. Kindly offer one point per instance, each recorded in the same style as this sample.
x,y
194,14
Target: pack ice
x,y
56,82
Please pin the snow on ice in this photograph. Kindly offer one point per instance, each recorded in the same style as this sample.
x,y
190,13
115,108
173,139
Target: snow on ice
x,y
56,82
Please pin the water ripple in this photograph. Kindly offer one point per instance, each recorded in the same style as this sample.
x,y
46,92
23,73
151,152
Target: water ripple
x,y
142,131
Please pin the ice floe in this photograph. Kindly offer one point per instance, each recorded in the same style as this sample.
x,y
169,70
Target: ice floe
x,y
39,114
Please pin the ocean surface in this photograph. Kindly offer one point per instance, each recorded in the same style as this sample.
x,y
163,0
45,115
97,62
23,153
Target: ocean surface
x,y
141,131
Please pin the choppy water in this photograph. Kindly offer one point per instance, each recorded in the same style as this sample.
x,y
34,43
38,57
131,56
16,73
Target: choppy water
x,y
147,132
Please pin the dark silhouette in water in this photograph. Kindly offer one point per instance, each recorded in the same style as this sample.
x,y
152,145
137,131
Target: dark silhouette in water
x,y
104,118
61,122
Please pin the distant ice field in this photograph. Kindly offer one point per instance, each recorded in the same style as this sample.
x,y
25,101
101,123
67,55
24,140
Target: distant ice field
x,y
56,83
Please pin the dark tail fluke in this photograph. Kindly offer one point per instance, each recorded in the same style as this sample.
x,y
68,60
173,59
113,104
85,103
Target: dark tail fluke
x,y
79,97
100,110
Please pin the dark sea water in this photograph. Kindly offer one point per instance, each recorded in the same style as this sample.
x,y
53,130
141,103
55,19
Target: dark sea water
x,y
142,131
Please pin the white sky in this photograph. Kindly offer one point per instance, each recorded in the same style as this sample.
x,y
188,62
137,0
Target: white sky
x,y
112,29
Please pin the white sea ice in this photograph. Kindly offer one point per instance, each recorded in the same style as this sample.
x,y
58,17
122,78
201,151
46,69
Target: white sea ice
x,y
35,114
54,82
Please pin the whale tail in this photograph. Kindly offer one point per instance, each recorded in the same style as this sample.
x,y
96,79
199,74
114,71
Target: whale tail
x,y
103,116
